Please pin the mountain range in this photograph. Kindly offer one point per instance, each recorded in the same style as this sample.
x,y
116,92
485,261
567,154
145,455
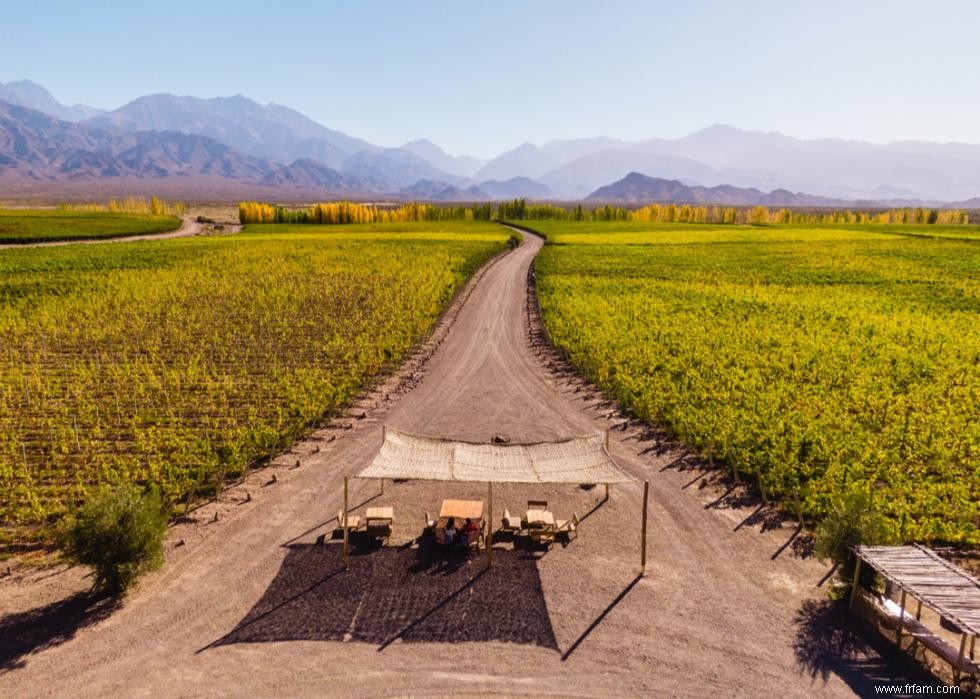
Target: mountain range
x,y
637,188
237,140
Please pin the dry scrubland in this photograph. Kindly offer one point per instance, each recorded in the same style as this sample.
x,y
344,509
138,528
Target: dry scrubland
x,y
183,361
811,360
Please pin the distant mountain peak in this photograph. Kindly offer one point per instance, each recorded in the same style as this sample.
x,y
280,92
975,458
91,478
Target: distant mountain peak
x,y
28,93
442,191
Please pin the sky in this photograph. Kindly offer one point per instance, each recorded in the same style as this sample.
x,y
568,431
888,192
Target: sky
x,y
484,77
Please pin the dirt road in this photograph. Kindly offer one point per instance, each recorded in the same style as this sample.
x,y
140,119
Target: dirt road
x,y
188,227
715,614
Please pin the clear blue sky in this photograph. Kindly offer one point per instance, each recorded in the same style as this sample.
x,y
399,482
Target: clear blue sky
x,y
481,77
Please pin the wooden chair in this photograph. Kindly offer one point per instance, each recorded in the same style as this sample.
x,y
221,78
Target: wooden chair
x,y
567,527
474,538
429,522
510,523
543,535
379,530
348,522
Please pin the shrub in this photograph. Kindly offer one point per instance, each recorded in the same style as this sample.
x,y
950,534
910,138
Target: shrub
x,y
119,533
513,241
849,523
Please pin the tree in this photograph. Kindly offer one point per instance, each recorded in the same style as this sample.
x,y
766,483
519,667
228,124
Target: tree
x,y
759,215
850,523
119,533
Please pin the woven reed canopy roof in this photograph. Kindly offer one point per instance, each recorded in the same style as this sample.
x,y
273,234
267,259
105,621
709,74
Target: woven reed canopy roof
x,y
948,589
577,460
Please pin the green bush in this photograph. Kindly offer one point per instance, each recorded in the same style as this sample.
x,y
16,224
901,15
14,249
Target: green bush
x,y
119,533
849,523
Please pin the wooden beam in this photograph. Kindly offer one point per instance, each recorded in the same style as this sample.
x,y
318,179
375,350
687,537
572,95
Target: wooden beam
x,y
643,532
854,585
346,526
489,520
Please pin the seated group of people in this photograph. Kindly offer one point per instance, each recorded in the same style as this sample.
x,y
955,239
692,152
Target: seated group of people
x,y
459,536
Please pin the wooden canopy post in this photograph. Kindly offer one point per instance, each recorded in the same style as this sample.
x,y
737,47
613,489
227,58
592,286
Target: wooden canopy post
x,y
901,620
384,436
643,532
489,541
959,662
344,524
854,586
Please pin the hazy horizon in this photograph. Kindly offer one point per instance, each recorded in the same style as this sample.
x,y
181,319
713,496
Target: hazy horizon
x,y
483,79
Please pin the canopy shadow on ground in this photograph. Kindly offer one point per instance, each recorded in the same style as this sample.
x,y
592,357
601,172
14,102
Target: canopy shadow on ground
x,y
411,595
831,641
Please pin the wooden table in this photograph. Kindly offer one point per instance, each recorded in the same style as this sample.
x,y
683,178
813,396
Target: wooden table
x,y
462,509
382,513
540,518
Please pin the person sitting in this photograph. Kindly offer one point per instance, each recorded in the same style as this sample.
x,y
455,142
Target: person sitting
x,y
469,527
450,532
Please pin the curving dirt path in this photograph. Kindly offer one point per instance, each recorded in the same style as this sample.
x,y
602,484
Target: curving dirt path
x,y
188,227
714,615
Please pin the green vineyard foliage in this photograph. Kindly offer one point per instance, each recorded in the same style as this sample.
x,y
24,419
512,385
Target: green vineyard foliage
x,y
76,223
817,361
181,362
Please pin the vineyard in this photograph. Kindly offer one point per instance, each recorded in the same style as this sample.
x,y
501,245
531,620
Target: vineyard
x,y
43,225
810,361
183,361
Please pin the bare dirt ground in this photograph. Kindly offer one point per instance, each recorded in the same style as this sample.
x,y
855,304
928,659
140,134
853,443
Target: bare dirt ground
x,y
248,602
188,227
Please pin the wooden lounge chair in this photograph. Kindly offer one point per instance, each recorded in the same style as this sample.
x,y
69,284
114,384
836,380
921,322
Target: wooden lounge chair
x,y
567,527
348,522
510,523
920,634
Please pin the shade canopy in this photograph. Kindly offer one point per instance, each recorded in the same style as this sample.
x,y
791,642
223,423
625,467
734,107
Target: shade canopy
x,y
576,460
948,589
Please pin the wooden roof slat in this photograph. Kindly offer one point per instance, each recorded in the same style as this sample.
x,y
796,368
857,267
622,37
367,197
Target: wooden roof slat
x,y
948,589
